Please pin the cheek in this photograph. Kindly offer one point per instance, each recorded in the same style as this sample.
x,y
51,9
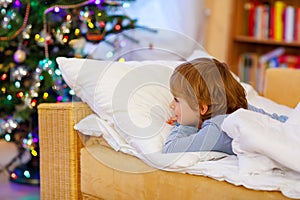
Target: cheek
x,y
177,110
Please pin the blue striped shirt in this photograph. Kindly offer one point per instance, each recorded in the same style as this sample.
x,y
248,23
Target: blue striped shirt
x,y
209,138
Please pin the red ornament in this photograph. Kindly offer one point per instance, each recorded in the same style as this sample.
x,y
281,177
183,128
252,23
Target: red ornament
x,y
3,77
20,95
102,24
118,27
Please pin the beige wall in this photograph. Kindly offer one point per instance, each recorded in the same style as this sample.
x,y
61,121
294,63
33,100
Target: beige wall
x,y
218,28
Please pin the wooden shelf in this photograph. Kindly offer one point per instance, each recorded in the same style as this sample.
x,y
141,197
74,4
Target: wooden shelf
x,y
244,49
248,39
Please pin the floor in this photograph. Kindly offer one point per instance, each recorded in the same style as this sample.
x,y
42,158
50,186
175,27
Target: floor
x,y
8,189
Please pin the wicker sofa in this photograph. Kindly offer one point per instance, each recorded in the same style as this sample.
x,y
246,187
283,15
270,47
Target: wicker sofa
x,y
68,171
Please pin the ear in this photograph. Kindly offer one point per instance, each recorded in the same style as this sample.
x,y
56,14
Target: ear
x,y
204,109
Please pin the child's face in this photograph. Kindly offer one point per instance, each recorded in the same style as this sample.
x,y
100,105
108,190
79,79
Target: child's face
x,y
184,114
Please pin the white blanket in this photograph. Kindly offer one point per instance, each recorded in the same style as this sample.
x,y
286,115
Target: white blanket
x,y
267,152
262,143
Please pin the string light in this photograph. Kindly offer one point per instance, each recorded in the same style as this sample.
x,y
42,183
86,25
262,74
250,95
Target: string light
x,y
50,9
22,27
26,174
20,95
34,152
33,103
7,137
45,95
9,97
117,27
77,31
14,175
3,77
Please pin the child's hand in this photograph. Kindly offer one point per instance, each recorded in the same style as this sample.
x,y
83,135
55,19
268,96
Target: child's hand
x,y
172,121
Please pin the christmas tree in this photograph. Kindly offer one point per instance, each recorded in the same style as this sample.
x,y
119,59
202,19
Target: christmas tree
x,y
33,34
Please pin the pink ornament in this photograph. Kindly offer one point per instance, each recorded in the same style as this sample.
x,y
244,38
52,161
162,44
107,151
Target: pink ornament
x,y
19,56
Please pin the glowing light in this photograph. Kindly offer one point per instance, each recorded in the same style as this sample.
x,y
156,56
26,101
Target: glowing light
x,y
59,98
77,31
117,27
97,2
9,97
86,14
71,92
102,24
33,102
20,94
99,14
122,60
3,11
45,95
123,43
41,77
56,9
57,72
7,137
13,175
41,40
17,84
37,36
109,54
65,39
3,77
26,174
17,3
126,5
3,89
91,25
68,17
34,152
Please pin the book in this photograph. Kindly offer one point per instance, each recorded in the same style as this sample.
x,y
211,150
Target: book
x,y
271,23
248,68
265,20
297,24
263,63
278,20
250,17
289,23
258,22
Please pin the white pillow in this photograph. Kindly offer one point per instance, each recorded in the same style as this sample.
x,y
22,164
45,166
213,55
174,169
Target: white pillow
x,y
134,96
97,82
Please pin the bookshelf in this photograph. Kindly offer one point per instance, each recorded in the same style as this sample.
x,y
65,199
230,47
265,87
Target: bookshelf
x,y
243,40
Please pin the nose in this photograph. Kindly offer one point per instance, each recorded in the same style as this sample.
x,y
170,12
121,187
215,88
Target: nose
x,y
171,105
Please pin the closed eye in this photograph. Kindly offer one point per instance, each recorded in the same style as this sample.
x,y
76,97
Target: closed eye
x,y
175,99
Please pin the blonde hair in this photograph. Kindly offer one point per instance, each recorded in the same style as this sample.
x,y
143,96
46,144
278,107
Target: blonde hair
x,y
206,81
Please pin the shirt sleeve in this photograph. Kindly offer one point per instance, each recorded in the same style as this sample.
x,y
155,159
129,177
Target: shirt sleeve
x,y
188,139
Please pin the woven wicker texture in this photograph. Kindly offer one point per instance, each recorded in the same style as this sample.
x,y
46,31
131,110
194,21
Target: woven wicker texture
x,y
60,149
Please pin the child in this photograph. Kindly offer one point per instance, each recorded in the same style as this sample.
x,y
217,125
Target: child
x,y
205,92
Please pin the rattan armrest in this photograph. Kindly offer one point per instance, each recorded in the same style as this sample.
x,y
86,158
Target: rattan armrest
x,y
60,149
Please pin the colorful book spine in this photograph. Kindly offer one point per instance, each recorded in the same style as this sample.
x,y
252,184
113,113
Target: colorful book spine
x,y
278,20
251,18
265,20
297,24
271,23
258,21
272,54
289,24
248,68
